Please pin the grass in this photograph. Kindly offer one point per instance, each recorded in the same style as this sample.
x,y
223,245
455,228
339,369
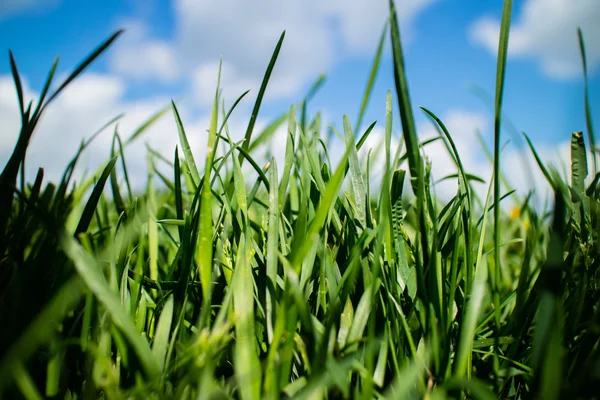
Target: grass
x,y
206,286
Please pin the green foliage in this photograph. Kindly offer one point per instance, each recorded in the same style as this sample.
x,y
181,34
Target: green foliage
x,y
212,287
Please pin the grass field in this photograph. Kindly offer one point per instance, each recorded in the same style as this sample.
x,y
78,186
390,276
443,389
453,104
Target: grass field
x,y
306,283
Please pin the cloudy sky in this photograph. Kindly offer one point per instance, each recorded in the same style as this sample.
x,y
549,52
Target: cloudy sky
x,y
171,49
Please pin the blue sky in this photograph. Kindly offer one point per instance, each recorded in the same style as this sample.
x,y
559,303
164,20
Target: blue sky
x,y
171,49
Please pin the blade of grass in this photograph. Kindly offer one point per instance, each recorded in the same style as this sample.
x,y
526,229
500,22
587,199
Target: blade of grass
x,y
92,203
247,365
579,168
146,124
25,383
356,178
185,147
118,200
268,132
161,336
321,214
261,93
41,330
500,75
272,247
586,99
371,80
152,226
365,136
17,79
89,271
476,388
83,65
539,161
178,192
205,255
462,365
406,113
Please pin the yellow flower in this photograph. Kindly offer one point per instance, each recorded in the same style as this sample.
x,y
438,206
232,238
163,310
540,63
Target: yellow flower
x,y
515,212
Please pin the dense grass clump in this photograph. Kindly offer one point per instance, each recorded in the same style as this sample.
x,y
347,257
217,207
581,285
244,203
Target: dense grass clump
x,y
290,287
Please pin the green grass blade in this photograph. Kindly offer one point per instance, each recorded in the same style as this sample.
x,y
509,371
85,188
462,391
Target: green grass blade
x,y
380,369
476,388
92,203
371,80
361,315
322,212
406,113
579,172
316,86
289,154
539,161
243,153
500,75
473,304
586,99
240,192
261,93
117,198
146,124
185,147
247,366
124,167
41,330
356,178
152,226
455,154
25,383
268,132
304,104
89,271
405,383
469,324
226,117
388,131
160,342
83,65
18,85
385,200
579,169
547,347
272,247
365,136
205,255
93,137
178,191
46,87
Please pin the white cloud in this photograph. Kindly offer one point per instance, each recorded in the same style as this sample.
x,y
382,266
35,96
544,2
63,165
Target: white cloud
x,y
360,22
12,7
518,165
84,107
204,82
546,32
88,104
9,114
245,34
462,126
140,58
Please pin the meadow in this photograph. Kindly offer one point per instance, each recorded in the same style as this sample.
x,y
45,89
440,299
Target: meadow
x,y
304,283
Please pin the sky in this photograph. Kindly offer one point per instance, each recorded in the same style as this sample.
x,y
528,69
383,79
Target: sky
x,y
171,49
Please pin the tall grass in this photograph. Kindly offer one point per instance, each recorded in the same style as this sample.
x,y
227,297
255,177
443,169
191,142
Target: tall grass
x,y
289,288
